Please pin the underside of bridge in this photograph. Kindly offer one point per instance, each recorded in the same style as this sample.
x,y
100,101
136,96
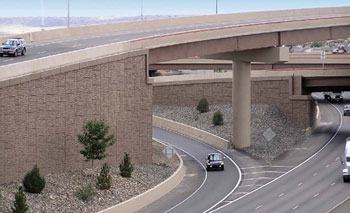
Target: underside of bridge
x,y
326,83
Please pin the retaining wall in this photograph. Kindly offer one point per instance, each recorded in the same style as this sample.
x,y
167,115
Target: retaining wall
x,y
41,114
277,91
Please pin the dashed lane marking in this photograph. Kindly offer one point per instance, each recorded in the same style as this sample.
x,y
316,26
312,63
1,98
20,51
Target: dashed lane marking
x,y
315,174
327,165
295,207
333,184
281,195
300,184
316,195
258,207
190,175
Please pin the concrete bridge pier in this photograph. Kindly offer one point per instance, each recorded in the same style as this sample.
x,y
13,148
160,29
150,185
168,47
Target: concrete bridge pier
x,y
241,87
241,99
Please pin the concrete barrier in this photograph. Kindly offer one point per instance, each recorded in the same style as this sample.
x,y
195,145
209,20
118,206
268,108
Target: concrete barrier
x,y
310,130
173,22
191,132
151,195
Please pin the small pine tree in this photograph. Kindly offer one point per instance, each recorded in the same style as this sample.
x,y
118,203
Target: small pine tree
x,y
86,193
218,118
203,106
126,167
95,140
20,203
104,180
33,182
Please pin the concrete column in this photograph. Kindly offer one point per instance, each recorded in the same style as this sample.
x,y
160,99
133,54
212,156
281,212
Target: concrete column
x,y
241,98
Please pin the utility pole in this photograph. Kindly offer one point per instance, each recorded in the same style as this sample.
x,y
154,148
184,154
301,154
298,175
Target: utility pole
x,y
141,9
216,6
68,14
42,15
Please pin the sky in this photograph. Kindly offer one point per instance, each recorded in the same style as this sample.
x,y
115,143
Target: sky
x,y
122,8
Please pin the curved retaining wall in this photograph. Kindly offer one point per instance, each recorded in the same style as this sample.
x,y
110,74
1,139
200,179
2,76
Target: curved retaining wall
x,y
142,200
191,132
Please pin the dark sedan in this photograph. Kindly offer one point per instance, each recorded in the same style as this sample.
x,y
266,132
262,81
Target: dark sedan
x,y
215,161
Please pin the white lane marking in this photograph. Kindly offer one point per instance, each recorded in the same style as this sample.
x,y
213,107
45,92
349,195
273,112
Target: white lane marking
x,y
327,165
250,185
337,158
240,193
315,174
42,52
316,195
260,178
300,184
116,39
254,167
253,173
333,184
281,195
8,60
190,175
183,155
205,178
258,207
295,207
294,168
78,45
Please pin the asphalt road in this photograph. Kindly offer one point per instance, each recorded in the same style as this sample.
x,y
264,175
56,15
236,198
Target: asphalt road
x,y
44,49
199,190
314,186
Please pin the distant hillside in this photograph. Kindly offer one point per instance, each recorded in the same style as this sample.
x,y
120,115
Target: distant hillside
x,y
74,21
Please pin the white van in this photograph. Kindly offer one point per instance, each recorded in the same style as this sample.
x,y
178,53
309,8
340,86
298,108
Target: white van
x,y
346,170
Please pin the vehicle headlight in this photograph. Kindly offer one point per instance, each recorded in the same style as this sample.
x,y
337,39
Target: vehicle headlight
x,y
208,163
222,163
345,171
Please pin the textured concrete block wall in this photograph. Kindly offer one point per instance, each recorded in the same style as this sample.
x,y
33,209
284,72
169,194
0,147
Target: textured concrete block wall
x,y
275,92
40,119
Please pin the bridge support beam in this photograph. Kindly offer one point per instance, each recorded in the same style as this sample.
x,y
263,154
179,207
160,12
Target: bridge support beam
x,y
241,99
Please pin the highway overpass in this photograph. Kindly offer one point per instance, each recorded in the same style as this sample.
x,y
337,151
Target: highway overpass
x,y
101,72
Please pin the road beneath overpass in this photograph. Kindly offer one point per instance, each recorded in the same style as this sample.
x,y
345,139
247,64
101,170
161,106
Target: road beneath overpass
x,y
50,48
316,185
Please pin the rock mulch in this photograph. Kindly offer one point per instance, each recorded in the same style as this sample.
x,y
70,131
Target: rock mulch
x,y
264,117
59,192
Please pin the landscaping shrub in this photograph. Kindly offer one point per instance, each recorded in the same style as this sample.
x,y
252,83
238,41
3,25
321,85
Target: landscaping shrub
x,y
86,193
20,203
104,180
33,182
126,167
203,106
218,118
95,140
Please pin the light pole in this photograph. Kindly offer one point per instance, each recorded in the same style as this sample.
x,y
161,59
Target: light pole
x,y
42,15
68,14
141,9
216,6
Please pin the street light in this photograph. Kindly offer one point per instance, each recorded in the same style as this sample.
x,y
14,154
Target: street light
x,y
42,15
141,9
216,6
68,14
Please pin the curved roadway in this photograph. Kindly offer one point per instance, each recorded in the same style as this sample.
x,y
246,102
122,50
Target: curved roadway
x,y
200,190
49,48
314,186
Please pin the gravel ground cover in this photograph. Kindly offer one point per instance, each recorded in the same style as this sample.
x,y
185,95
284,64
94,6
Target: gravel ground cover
x,y
264,117
58,194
